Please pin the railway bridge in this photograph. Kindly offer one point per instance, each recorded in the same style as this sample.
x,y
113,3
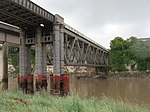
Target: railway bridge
x,y
55,42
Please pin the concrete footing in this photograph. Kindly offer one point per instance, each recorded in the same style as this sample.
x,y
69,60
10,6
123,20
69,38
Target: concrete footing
x,y
59,85
41,82
25,83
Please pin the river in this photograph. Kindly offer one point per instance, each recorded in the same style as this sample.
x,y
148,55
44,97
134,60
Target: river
x,y
129,90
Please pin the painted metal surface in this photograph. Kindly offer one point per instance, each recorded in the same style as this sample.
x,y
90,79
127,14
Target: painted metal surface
x,y
24,13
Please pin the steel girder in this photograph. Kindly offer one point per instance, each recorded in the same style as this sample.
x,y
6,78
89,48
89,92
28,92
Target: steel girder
x,y
81,53
78,52
24,13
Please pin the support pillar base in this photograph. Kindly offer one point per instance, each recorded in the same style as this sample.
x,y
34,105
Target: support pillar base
x,y
59,85
41,82
4,83
25,83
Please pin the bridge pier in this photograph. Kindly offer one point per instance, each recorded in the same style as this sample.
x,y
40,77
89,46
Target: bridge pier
x,y
56,56
29,77
62,49
25,79
40,62
57,80
22,81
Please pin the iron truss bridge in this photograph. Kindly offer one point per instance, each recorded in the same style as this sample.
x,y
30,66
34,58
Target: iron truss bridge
x,y
78,50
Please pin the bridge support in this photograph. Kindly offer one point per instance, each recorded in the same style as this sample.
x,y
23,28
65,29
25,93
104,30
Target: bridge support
x,y
59,81
55,79
25,79
4,66
56,56
22,82
28,68
62,49
40,62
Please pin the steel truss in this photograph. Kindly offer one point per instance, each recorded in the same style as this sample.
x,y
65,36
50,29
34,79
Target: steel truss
x,y
78,52
82,53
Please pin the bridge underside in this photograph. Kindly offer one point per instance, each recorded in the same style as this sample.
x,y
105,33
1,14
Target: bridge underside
x,y
24,13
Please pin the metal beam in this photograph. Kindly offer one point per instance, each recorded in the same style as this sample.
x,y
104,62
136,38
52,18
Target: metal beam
x,y
86,65
16,17
29,5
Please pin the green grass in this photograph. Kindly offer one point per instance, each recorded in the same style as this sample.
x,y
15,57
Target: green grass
x,y
19,102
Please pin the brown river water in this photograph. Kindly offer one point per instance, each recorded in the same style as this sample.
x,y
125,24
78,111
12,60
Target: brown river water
x,y
129,90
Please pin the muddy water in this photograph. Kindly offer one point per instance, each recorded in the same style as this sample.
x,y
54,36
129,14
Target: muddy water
x,y
129,90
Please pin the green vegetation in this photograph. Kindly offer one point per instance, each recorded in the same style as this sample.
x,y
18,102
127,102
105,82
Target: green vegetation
x,y
13,56
132,53
19,102
118,54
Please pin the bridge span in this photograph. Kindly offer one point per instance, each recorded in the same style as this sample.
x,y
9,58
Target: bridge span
x,y
55,42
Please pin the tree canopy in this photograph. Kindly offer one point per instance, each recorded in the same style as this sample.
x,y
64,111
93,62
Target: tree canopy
x,y
131,52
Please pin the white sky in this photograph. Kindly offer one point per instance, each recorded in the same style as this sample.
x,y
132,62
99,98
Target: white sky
x,y
103,20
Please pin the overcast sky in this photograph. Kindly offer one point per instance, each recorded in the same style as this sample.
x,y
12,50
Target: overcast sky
x,y
102,20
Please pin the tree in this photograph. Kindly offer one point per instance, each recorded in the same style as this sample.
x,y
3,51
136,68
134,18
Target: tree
x,y
13,56
131,52
141,51
119,54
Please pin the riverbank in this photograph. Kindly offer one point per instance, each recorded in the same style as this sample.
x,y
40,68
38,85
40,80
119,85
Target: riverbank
x,y
17,102
119,75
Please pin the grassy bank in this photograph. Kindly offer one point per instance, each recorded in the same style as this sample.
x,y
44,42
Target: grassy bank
x,y
19,102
